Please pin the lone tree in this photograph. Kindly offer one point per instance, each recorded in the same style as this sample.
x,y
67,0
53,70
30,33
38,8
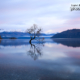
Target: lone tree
x,y
34,32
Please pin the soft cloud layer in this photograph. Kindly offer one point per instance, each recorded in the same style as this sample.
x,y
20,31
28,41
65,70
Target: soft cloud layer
x,y
52,16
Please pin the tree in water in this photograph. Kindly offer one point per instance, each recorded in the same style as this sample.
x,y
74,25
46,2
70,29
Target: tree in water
x,y
34,32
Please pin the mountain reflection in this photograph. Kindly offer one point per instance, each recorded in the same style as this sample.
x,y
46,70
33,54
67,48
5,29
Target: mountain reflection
x,y
35,51
17,42
68,42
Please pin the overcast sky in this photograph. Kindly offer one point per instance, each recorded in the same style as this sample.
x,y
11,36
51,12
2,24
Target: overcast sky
x,y
52,16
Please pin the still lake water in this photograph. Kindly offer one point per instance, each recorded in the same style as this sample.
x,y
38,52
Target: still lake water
x,y
57,59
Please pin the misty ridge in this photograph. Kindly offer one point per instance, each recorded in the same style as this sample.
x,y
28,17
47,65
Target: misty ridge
x,y
72,33
20,35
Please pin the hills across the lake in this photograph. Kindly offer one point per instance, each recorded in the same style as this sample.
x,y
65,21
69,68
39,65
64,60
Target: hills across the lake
x,y
72,33
21,35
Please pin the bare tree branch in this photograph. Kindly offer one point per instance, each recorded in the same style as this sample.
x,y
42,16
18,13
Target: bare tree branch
x,y
34,32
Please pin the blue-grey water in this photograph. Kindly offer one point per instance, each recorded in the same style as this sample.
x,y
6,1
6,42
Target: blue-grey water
x,y
52,59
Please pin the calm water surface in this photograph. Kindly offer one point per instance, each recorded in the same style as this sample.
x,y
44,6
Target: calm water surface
x,y
57,59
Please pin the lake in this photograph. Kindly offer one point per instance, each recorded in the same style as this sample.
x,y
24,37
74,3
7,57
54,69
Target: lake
x,y
52,59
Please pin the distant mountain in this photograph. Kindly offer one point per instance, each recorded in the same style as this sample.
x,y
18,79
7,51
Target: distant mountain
x,y
20,35
73,33
12,34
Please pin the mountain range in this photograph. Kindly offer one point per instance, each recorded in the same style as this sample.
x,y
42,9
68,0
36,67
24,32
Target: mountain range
x,y
21,35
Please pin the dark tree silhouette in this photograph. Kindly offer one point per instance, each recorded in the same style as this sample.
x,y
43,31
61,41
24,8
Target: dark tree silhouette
x,y
34,32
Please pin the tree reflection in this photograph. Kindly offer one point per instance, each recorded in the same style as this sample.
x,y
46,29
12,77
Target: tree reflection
x,y
35,51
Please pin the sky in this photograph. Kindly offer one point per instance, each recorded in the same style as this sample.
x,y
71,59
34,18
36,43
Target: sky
x,y
52,16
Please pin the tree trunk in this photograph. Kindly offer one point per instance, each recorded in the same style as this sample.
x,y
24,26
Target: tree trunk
x,y
30,41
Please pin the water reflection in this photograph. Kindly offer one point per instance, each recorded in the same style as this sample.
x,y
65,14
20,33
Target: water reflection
x,y
35,51
0,41
68,42
49,62
17,42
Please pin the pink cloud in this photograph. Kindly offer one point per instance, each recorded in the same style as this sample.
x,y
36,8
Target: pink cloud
x,y
74,21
